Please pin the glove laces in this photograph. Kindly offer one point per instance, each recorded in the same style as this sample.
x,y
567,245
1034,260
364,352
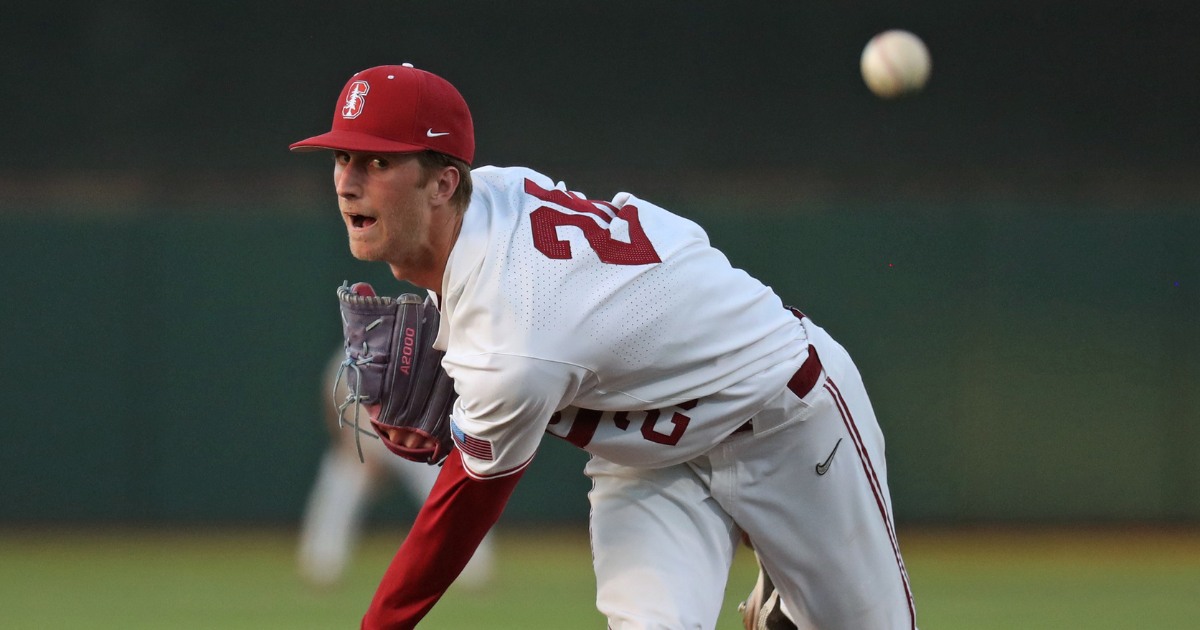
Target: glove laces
x,y
353,397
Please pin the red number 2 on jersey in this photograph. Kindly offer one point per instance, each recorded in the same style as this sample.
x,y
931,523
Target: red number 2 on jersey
x,y
638,251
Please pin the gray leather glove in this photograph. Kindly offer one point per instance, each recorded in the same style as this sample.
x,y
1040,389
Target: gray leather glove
x,y
390,363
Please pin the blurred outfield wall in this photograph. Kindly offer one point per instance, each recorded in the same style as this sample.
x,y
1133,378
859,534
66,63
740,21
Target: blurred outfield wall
x,y
1026,364
1029,85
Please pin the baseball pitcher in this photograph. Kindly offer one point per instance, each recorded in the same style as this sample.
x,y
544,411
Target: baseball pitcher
x,y
710,409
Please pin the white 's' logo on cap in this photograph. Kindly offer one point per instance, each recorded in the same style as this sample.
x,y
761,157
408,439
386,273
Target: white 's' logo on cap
x,y
355,99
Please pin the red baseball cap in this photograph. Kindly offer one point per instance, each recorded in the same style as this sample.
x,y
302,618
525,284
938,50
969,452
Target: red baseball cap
x,y
398,109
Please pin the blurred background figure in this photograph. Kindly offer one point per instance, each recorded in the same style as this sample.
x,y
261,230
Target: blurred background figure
x,y
345,488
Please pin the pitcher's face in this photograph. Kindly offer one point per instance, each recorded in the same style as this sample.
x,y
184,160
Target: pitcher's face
x,y
385,206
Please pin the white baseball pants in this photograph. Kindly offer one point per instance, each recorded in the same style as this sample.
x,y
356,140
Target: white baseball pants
x,y
663,539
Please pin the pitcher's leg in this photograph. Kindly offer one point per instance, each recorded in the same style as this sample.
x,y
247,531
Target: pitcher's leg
x,y
661,547
814,500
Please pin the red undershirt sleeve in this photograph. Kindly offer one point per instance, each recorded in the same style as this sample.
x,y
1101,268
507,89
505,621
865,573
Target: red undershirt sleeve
x,y
459,512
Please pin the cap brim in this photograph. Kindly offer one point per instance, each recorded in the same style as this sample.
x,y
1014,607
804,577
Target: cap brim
x,y
340,140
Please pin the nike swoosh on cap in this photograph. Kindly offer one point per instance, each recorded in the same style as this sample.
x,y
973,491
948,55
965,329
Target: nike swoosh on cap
x,y
434,135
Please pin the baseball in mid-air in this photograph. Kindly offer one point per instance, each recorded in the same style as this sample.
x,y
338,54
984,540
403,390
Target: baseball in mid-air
x,y
895,63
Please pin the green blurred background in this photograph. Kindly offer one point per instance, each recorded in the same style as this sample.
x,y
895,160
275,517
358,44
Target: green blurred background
x,y
1012,257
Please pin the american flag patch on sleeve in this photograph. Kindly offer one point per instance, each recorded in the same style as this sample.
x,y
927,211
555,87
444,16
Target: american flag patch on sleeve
x,y
471,445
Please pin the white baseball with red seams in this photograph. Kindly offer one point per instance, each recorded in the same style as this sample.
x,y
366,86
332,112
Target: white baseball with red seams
x,y
895,63
615,325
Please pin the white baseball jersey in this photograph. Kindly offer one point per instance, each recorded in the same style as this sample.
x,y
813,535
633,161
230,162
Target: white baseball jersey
x,y
605,323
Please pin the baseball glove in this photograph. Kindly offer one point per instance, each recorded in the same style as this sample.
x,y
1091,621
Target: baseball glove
x,y
391,364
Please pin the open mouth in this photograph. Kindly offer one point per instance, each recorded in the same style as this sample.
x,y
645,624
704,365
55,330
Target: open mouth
x,y
360,221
